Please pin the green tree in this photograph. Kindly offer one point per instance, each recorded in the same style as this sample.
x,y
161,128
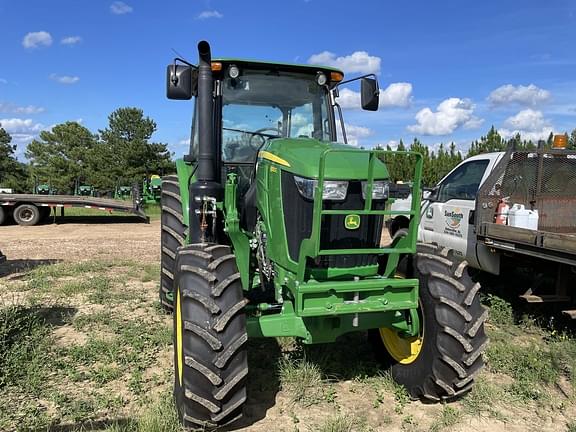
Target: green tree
x,y
12,173
125,151
61,156
492,142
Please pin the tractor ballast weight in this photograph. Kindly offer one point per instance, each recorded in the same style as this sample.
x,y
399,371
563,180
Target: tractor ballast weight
x,y
283,238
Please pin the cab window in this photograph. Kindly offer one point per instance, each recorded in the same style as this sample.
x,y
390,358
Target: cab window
x,y
463,183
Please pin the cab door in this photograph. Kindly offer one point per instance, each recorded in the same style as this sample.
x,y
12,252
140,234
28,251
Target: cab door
x,y
447,220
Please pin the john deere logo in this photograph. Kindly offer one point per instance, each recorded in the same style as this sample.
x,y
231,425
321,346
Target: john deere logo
x,y
352,222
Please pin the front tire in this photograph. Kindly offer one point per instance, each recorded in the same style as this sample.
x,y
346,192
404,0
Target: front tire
x,y
442,362
210,360
173,236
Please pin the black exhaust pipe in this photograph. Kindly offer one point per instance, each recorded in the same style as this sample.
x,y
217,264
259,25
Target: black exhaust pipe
x,y
207,190
206,157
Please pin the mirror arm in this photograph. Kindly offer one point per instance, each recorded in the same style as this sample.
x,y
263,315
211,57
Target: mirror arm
x,y
181,60
371,75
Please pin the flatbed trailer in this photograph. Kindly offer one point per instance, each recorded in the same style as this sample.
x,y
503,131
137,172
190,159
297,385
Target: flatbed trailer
x,y
30,209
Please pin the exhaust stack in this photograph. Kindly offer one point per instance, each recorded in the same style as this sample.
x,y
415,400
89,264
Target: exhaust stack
x,y
206,151
207,190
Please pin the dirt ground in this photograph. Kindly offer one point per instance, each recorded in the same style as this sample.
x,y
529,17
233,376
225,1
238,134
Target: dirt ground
x,y
270,407
124,238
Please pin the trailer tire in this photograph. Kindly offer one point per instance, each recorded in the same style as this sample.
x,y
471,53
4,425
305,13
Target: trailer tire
x,y
173,236
442,362
3,216
26,215
210,359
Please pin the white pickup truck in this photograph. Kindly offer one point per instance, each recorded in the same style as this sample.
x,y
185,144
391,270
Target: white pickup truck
x,y
465,213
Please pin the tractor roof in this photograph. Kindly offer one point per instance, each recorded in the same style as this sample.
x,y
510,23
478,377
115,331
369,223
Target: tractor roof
x,y
259,64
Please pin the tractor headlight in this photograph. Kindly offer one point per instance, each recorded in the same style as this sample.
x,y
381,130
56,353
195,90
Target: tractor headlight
x,y
380,189
334,190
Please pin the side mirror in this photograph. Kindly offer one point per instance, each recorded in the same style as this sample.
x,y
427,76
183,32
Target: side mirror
x,y
370,94
179,82
431,194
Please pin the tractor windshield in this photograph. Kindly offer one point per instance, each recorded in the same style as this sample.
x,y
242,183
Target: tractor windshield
x,y
260,105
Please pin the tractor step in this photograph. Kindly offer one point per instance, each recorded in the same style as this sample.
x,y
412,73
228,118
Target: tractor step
x,y
552,298
570,313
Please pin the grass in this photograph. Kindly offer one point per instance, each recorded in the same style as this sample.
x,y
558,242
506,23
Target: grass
x,y
113,369
448,417
343,423
302,380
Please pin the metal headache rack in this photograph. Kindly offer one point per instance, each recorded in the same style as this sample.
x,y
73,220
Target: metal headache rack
x,y
543,181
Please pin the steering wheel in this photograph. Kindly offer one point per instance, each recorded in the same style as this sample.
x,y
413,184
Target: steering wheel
x,y
259,133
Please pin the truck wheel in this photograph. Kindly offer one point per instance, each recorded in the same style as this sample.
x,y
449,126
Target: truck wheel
x,y
26,215
173,236
210,360
441,362
3,216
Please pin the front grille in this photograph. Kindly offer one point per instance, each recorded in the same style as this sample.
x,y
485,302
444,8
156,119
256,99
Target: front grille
x,y
298,213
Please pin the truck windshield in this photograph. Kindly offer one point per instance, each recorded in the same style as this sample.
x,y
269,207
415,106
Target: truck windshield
x,y
261,105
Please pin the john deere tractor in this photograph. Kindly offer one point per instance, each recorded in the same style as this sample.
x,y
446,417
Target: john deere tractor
x,y
151,187
272,228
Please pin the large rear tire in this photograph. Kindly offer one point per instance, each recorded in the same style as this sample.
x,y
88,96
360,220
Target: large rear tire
x,y
210,360
173,236
27,215
441,363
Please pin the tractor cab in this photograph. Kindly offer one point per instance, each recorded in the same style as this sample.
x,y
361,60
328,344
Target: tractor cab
x,y
256,102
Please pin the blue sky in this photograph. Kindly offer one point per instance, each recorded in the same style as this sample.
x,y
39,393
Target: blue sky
x,y
448,70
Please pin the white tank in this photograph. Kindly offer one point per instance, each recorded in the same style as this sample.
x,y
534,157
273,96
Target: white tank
x,y
520,217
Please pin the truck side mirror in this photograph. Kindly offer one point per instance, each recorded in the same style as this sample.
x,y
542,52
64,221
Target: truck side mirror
x,y
370,94
431,194
179,82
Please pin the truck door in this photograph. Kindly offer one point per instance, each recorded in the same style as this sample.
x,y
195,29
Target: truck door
x,y
447,220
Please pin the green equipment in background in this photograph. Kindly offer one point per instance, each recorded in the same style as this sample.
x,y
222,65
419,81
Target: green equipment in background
x,y
272,228
82,189
151,188
44,188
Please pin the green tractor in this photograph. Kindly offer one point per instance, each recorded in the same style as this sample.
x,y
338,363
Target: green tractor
x,y
122,192
271,228
82,189
44,188
151,187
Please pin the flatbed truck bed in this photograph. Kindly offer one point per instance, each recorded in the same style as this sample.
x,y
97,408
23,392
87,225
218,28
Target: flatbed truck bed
x,y
28,203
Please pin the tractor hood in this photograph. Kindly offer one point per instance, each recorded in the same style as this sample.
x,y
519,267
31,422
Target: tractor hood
x,y
301,156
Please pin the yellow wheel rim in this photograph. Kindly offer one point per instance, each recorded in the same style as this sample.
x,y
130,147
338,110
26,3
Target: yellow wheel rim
x,y
404,350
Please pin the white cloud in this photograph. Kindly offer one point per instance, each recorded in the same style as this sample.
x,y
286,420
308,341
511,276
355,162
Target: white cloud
x,y
21,126
64,79
3,81
522,95
7,107
395,95
37,39
120,8
450,114
71,40
184,142
354,134
530,124
349,99
207,14
357,62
